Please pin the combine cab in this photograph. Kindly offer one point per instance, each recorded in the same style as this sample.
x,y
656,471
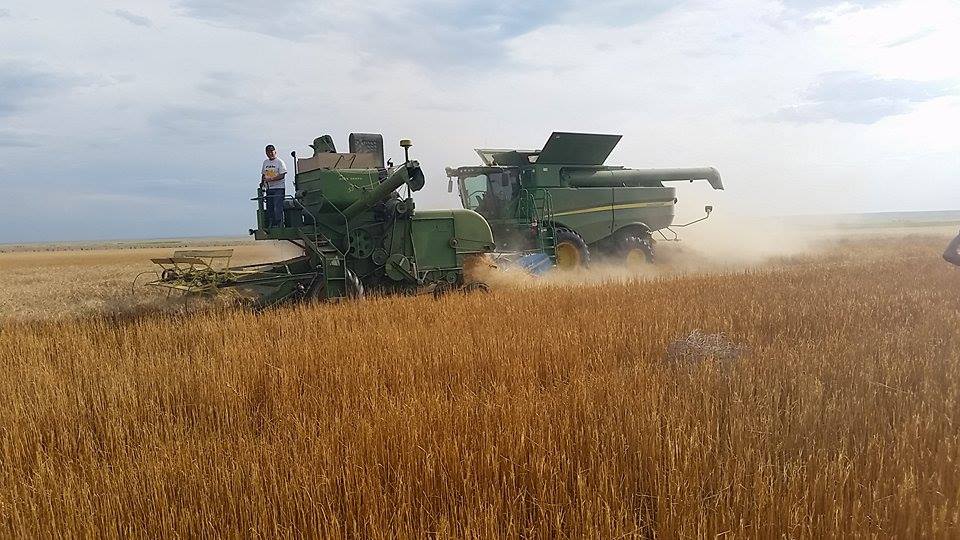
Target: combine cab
x,y
357,233
563,205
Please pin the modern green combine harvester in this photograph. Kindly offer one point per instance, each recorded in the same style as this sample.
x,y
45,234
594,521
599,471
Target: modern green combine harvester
x,y
563,204
356,233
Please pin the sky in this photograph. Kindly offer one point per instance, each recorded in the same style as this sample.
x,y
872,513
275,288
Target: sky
x,y
148,119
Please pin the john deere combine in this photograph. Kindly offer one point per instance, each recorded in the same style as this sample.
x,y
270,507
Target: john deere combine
x,y
356,233
563,203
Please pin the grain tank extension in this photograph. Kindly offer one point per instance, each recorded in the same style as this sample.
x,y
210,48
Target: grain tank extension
x,y
563,202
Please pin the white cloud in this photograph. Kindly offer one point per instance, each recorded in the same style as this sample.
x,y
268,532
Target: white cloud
x,y
860,98
133,18
194,89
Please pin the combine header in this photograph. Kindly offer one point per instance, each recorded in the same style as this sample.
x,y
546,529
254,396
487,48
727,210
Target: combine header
x,y
563,205
356,233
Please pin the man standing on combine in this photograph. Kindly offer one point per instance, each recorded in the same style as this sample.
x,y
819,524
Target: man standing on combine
x,y
272,177
952,253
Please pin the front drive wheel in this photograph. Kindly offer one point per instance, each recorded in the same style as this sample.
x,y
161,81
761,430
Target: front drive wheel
x,y
637,250
475,286
570,249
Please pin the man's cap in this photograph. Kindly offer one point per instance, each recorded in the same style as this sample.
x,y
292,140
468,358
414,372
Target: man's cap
x,y
270,147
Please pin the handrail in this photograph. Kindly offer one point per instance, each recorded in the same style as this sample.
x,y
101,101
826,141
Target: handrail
x,y
304,208
543,216
261,197
528,204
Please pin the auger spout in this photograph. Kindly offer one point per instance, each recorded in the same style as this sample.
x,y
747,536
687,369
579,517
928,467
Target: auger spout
x,y
640,177
409,174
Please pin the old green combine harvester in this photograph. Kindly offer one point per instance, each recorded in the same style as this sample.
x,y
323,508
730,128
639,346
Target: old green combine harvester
x,y
562,205
356,233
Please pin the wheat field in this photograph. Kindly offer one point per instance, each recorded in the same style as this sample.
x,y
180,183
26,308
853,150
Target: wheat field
x,y
545,410
63,283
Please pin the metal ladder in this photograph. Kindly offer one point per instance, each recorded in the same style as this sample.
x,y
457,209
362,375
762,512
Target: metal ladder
x,y
329,251
318,242
537,206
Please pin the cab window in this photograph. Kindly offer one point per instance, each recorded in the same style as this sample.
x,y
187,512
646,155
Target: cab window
x,y
490,193
474,190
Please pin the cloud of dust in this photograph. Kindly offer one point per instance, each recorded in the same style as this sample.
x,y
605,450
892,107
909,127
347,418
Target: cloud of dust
x,y
270,251
732,242
716,245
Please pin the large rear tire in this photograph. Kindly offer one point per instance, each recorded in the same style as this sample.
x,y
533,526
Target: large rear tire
x,y
570,250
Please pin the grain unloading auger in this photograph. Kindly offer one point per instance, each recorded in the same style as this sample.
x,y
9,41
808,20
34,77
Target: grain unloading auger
x,y
356,233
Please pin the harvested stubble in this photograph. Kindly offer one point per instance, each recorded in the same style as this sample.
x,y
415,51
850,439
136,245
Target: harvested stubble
x,y
698,347
542,412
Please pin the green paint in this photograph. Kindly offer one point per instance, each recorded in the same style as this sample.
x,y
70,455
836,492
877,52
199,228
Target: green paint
x,y
356,228
527,194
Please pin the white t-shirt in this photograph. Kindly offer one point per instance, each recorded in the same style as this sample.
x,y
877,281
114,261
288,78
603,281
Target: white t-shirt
x,y
272,169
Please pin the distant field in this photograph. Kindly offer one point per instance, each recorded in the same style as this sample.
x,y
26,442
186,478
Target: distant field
x,y
159,243
554,408
940,218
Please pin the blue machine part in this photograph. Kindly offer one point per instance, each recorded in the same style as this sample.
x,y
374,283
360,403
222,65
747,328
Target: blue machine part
x,y
535,263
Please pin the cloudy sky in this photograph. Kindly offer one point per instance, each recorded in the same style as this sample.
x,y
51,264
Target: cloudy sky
x,y
148,119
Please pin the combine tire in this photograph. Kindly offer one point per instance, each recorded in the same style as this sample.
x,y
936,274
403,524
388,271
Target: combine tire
x,y
570,249
637,250
476,286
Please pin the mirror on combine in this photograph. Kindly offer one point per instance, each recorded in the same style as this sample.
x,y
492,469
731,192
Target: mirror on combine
x,y
708,209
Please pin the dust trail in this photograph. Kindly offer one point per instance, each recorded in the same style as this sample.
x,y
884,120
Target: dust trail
x,y
719,245
741,241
